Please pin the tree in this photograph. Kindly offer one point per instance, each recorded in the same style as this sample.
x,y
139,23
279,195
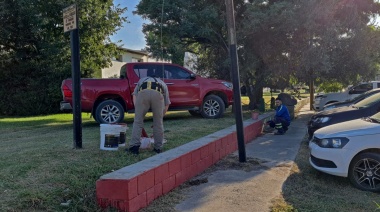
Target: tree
x,y
277,40
195,26
35,53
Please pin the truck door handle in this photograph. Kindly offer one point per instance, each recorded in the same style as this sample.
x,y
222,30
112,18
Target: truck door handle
x,y
169,83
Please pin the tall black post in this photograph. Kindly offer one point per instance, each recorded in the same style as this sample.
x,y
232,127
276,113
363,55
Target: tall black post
x,y
235,79
75,68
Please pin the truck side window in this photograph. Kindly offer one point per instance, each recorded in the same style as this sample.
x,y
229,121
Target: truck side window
x,y
123,71
142,70
361,88
177,73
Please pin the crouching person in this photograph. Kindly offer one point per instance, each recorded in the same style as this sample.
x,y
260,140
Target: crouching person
x,y
281,120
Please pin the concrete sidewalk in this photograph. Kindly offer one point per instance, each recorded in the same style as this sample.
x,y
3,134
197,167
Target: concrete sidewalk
x,y
238,190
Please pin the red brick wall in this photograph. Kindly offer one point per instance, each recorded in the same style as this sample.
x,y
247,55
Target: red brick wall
x,y
136,193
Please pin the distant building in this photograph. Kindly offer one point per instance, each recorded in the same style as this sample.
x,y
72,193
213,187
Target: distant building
x,y
190,61
128,55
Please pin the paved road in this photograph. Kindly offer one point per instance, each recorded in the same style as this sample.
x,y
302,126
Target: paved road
x,y
238,190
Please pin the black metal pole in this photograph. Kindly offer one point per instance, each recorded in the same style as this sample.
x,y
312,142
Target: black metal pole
x,y
235,79
75,69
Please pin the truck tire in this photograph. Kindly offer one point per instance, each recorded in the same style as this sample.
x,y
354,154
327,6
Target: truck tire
x,y
109,112
212,107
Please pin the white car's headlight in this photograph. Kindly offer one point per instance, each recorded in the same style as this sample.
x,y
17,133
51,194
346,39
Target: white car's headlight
x,y
322,119
337,143
227,84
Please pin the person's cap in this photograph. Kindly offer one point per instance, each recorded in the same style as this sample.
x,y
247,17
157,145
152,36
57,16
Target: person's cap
x,y
278,98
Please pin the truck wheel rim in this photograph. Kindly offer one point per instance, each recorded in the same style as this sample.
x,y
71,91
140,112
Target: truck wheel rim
x,y
110,113
211,107
367,173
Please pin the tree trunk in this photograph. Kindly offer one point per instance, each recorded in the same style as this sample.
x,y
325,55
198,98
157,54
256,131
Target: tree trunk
x,y
311,88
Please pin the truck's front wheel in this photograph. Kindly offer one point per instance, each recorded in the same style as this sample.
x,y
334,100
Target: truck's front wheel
x,y
109,112
212,107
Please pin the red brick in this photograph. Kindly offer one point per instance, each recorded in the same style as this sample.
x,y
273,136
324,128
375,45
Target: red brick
x,y
212,147
205,163
195,156
161,173
229,149
137,203
201,166
153,193
168,184
193,171
157,190
150,196
204,152
234,147
222,153
113,189
232,136
218,144
174,166
145,181
208,161
185,160
224,142
215,157
180,178
123,205
187,173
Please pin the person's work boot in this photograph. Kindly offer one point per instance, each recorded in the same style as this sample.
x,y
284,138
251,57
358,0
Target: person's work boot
x,y
279,133
268,129
157,151
134,150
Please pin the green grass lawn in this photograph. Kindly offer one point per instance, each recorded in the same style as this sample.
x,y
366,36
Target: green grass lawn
x,y
40,169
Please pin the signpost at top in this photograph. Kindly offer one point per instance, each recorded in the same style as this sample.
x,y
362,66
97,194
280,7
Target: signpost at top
x,y
70,18
70,24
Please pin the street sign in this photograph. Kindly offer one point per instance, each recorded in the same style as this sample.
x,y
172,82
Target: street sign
x,y
70,18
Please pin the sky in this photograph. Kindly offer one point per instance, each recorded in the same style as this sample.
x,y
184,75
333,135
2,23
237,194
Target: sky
x,y
131,33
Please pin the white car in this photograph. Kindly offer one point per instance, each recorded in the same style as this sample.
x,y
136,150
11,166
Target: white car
x,y
349,149
349,93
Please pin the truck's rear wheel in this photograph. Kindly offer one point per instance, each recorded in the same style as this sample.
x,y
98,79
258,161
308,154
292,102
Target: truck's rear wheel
x,y
212,107
109,112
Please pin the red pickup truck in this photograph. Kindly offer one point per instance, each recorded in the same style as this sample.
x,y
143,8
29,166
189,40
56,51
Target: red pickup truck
x,y
108,99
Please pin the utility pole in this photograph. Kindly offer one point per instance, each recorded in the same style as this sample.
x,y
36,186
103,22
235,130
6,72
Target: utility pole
x,y
235,79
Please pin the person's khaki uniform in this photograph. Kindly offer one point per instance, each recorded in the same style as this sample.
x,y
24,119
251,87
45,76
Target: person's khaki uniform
x,y
149,99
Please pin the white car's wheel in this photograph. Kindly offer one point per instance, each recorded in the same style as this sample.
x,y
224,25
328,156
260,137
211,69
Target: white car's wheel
x,y
364,171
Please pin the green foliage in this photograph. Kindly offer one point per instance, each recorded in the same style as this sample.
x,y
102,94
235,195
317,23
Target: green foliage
x,y
330,87
35,52
278,41
194,26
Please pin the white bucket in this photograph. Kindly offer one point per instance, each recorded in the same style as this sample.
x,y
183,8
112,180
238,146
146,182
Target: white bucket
x,y
112,136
